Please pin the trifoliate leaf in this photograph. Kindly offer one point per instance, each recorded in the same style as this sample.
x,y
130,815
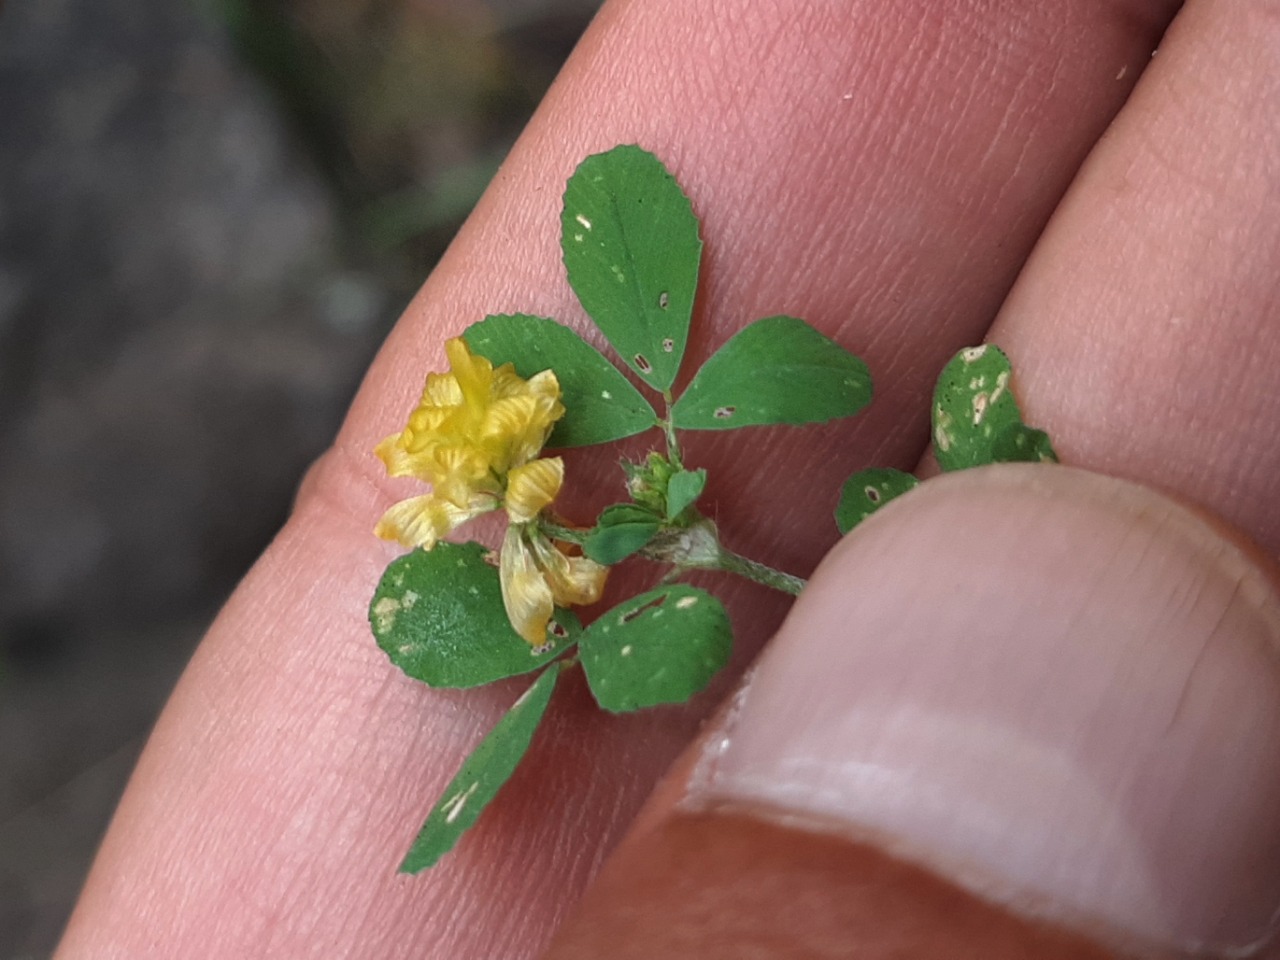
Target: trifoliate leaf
x,y
481,776
660,647
683,489
621,530
777,370
600,403
632,251
867,491
438,614
976,419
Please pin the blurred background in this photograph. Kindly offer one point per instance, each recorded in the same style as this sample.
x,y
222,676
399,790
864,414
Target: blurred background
x,y
211,211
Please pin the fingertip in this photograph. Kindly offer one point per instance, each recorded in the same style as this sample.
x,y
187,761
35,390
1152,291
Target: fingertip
x,y
1051,694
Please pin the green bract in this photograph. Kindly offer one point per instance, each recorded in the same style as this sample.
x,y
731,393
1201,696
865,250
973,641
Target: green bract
x,y
623,529
683,490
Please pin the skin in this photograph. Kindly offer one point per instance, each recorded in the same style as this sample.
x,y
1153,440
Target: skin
x,y
886,170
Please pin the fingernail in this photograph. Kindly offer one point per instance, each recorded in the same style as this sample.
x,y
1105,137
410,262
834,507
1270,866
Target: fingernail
x,y
1059,691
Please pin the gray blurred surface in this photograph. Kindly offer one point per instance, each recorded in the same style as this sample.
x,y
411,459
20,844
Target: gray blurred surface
x,y
177,341
184,314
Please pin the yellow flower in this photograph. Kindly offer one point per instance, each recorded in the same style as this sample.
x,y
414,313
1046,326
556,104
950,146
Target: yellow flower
x,y
475,428
536,576
475,437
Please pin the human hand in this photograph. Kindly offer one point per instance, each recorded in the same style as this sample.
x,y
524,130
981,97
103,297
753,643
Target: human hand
x,y
882,170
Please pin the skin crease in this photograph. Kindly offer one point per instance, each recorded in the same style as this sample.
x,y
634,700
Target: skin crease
x,y
293,764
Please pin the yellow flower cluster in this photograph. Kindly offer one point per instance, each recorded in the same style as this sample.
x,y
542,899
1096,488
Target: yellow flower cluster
x,y
475,437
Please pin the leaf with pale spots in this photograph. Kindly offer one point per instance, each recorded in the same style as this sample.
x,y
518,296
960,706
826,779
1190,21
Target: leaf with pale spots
x,y
777,370
683,490
482,776
1018,443
600,403
660,647
976,420
438,615
867,491
632,251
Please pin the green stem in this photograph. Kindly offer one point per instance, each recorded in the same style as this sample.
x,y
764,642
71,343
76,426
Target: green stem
x,y
696,547
669,431
760,573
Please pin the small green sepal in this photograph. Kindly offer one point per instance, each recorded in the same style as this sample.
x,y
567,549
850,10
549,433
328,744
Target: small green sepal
x,y
683,490
621,530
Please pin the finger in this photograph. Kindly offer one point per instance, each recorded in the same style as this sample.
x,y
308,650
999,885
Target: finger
x,y
1146,326
293,764
1042,726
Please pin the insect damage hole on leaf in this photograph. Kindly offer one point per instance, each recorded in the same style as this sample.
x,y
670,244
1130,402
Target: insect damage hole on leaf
x,y
774,371
628,615
637,279
675,638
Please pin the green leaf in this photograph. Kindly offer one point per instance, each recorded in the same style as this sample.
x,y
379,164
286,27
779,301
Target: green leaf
x,y
660,647
621,530
867,491
976,419
683,490
600,403
777,370
626,513
631,250
438,614
1018,443
481,776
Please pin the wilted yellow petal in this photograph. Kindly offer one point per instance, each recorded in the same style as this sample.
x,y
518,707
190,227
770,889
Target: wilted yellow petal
x,y
392,453
442,390
532,487
525,593
422,521
515,428
574,581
